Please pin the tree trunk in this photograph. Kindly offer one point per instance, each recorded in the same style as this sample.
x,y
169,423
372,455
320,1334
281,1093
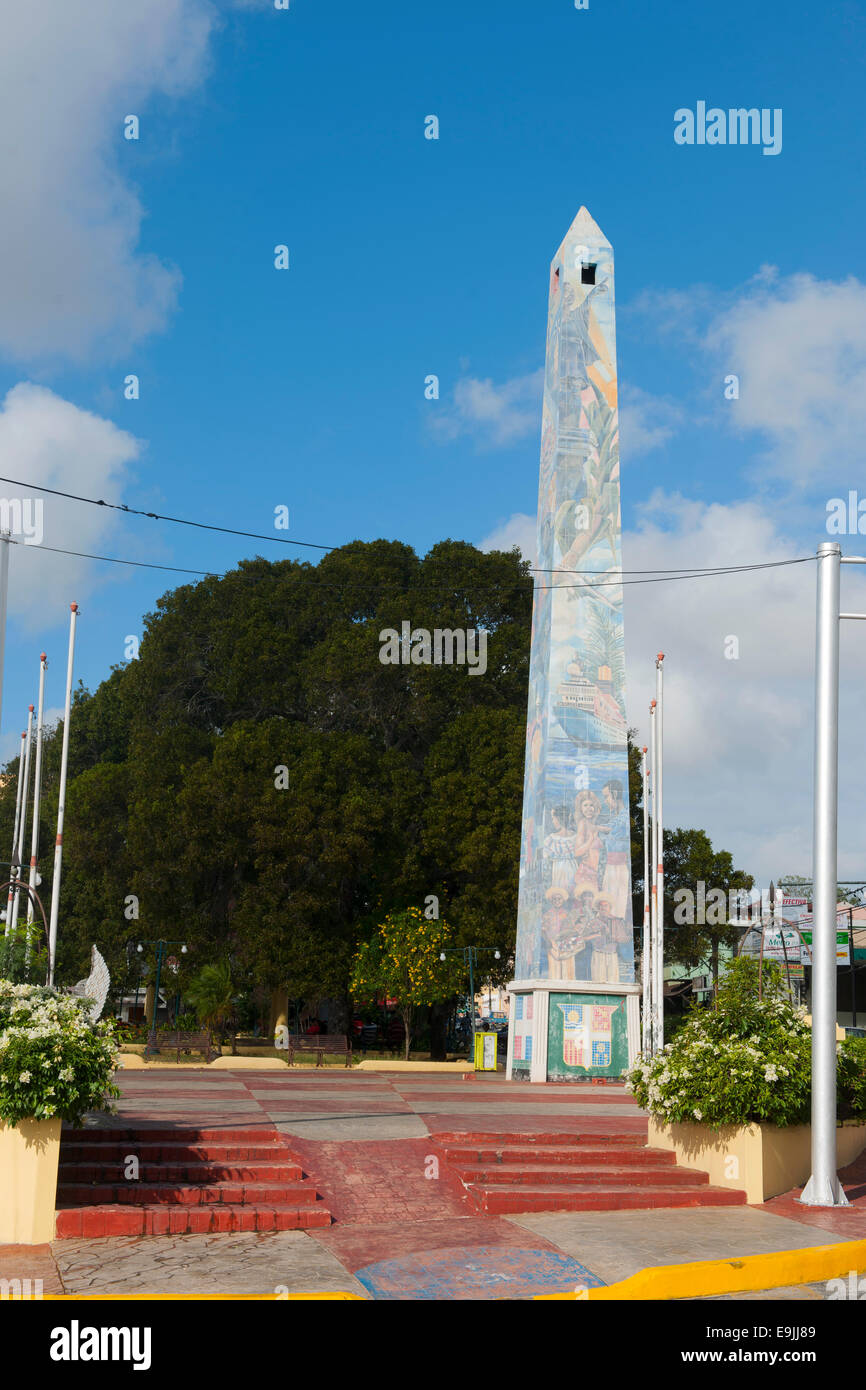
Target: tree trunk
x,y
439,1014
407,1028
715,966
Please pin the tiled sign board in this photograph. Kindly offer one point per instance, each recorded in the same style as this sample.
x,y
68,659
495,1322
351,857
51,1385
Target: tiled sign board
x,y
587,1036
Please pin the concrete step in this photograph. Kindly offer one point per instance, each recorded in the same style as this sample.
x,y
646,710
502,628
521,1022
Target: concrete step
x,y
190,1134
505,1174
513,1199
573,1155
547,1139
173,1194
158,1220
177,1152
183,1174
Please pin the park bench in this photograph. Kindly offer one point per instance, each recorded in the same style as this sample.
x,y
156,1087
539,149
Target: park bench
x,y
320,1043
182,1041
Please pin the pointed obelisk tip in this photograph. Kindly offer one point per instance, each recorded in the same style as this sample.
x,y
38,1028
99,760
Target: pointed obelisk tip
x,y
585,224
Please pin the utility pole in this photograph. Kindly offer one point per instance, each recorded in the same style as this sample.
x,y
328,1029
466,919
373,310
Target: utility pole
x,y
823,1188
61,803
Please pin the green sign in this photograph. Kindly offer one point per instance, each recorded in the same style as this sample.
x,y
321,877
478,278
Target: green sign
x,y
587,1036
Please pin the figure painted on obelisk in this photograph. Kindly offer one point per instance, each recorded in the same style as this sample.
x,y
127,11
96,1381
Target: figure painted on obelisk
x,y
574,915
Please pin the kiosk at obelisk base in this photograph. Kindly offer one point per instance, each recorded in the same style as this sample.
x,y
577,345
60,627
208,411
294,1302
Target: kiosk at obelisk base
x,y
574,1000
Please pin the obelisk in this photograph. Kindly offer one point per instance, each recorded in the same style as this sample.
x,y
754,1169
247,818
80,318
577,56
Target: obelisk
x,y
574,1001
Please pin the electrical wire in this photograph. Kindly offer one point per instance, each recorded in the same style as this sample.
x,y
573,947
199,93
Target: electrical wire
x,y
659,577
690,572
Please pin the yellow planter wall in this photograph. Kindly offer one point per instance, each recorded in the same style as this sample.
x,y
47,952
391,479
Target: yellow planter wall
x,y
29,1154
760,1160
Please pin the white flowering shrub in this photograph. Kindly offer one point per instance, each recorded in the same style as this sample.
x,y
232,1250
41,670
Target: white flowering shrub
x,y
744,1060
54,1061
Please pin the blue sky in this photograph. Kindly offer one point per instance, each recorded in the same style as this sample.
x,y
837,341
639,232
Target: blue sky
x,y
411,256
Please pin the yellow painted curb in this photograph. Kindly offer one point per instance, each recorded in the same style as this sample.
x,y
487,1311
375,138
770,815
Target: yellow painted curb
x,y
704,1278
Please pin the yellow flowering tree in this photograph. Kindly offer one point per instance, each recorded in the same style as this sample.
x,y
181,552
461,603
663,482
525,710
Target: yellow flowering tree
x,y
402,961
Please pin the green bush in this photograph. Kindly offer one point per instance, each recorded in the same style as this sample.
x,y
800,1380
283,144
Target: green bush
x,y
54,1061
741,1061
851,1079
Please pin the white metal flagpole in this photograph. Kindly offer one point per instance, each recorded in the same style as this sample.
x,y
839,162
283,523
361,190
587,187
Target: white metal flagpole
x,y
823,1188
4,594
22,829
653,1029
61,803
15,834
646,973
37,791
660,866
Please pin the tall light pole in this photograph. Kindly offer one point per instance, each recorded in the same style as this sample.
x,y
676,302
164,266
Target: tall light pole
x,y
61,803
823,1188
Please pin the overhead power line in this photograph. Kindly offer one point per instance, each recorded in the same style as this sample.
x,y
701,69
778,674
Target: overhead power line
x,y
658,576
686,572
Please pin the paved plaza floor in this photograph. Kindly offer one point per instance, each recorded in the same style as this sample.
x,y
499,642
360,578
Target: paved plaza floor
x,y
404,1226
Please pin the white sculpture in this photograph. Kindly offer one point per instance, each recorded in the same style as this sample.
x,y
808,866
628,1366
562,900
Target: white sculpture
x,y
95,987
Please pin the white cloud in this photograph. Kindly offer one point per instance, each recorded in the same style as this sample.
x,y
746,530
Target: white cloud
x,y
72,277
798,345
493,415
519,530
45,437
646,421
739,733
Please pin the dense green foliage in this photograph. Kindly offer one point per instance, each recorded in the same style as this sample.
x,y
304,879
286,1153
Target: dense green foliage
x,y
402,781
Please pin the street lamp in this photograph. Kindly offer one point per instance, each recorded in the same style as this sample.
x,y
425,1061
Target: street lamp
x,y
160,945
470,957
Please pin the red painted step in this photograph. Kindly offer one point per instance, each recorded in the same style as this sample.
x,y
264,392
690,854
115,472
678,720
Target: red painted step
x,y
577,1156
180,1173
162,1220
500,1200
511,1175
171,1153
171,1194
555,1139
189,1181
507,1173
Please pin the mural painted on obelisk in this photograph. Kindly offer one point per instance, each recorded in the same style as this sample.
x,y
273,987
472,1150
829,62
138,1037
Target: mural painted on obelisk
x,y
574,918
